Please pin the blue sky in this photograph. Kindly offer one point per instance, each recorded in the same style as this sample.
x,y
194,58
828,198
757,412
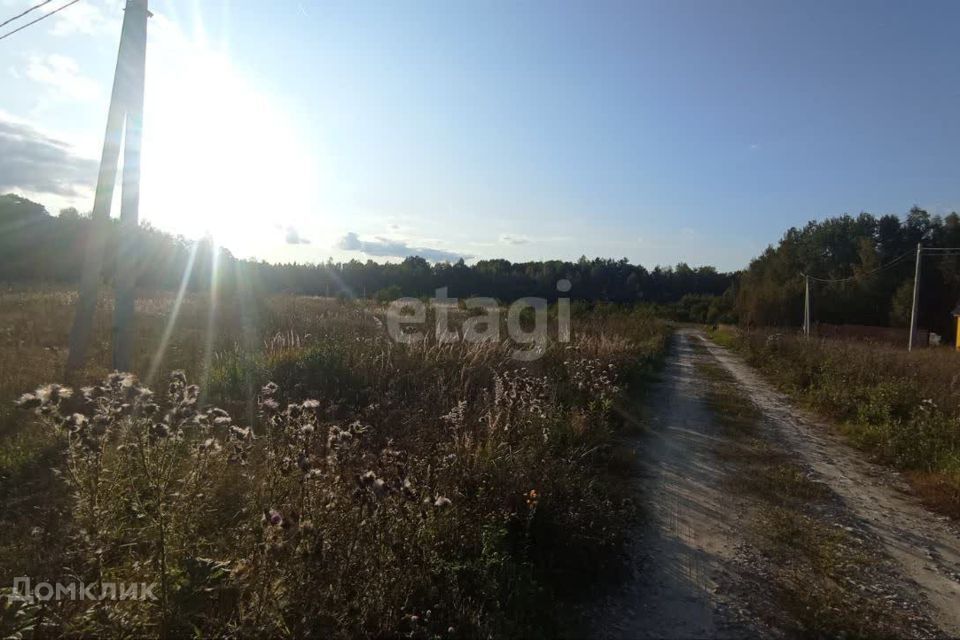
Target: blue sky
x,y
657,131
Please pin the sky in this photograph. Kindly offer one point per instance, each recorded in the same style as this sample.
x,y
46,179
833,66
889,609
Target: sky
x,y
694,131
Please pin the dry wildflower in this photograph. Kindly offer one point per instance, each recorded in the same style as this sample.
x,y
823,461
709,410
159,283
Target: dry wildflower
x,y
28,401
442,502
53,393
406,488
76,422
357,428
456,416
337,437
311,404
241,433
269,389
160,430
367,479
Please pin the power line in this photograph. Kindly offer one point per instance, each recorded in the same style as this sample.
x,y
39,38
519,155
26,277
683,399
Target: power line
x,y
43,17
914,311
20,15
919,252
893,262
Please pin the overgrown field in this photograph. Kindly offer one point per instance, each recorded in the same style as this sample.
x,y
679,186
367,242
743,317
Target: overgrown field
x,y
904,408
290,470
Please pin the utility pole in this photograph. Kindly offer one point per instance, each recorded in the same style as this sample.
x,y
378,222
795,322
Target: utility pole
x,y
916,297
127,249
806,306
126,108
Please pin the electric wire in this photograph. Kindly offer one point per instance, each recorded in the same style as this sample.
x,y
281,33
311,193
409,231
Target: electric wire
x,y
20,15
35,21
883,267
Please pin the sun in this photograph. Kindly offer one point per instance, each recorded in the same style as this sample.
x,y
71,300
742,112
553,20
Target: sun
x,y
219,158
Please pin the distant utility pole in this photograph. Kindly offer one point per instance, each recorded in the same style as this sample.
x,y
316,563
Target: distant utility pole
x,y
806,306
924,251
916,297
126,108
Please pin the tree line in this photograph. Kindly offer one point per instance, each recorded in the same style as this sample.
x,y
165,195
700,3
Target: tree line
x,y
874,260
36,246
870,257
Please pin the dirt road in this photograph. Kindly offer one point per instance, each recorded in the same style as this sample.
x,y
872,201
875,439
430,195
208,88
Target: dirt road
x,y
761,521
690,534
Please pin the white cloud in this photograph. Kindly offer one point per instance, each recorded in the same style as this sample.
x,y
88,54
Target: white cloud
x,y
513,239
88,18
62,75
387,248
292,236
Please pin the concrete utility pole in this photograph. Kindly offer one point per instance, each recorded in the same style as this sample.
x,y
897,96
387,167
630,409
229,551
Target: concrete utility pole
x,y
806,306
126,107
126,277
916,297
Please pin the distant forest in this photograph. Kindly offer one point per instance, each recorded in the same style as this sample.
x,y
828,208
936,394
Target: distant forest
x,y
874,256
36,246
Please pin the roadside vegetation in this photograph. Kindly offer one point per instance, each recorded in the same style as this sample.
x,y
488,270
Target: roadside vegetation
x,y
903,408
808,569
290,470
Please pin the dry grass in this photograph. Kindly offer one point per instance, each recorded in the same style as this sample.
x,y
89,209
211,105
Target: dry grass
x,y
817,569
724,336
904,408
471,496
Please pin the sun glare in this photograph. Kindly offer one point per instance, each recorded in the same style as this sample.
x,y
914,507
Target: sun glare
x,y
220,158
